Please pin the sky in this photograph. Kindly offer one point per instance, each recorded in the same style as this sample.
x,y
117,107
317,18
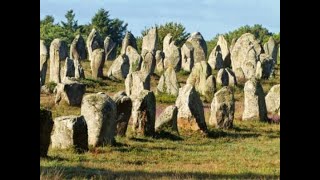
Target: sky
x,y
209,17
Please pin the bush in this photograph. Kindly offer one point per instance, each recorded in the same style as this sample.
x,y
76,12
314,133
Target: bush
x,y
51,85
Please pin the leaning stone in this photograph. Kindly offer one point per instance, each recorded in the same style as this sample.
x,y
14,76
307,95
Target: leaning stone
x,y
167,119
119,68
190,110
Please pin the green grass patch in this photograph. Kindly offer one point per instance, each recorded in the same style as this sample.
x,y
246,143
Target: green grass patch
x,y
92,82
165,98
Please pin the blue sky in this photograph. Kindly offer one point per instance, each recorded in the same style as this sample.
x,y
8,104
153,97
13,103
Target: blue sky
x,y
206,16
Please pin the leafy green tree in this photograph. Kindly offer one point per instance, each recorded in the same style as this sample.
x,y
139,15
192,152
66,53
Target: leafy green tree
x,y
69,27
101,22
115,28
47,19
177,30
49,31
276,37
71,24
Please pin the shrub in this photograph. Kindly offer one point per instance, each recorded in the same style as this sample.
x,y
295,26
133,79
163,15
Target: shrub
x,y
51,85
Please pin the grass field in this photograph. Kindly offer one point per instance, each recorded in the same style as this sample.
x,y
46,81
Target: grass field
x,y
251,150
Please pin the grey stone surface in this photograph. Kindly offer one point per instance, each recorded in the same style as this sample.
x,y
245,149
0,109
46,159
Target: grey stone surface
x,y
100,113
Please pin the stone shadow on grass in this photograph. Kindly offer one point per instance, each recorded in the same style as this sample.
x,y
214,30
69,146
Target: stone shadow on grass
x,y
168,135
217,133
69,172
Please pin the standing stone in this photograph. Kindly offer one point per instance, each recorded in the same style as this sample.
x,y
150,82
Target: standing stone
x,y
69,69
79,71
226,77
144,113
222,109
168,83
46,125
124,107
199,45
119,68
215,58
245,54
210,87
70,132
267,66
94,41
128,40
187,60
250,65
149,41
58,52
78,48
270,48
43,63
172,57
233,42
166,43
159,56
171,53
258,70
273,100
167,119
198,78
97,63
190,110
254,102
100,113
239,75
72,68
159,61
135,59
224,49
70,91
136,82
220,55
148,63
108,45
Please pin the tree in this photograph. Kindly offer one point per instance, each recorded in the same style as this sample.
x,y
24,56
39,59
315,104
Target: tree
x,y
115,28
47,19
49,31
177,30
101,22
276,37
71,24
70,27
